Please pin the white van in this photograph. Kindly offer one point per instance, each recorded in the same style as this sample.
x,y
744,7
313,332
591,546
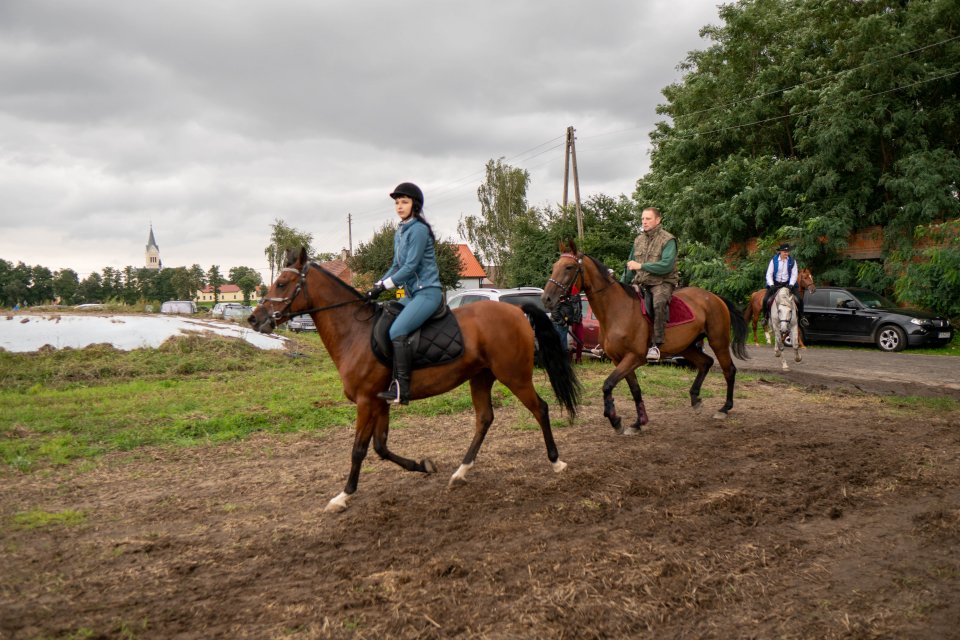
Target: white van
x,y
179,306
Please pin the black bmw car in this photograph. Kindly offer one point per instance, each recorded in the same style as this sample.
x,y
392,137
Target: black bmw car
x,y
853,314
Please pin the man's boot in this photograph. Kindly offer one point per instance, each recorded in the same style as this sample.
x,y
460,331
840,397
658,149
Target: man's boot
x,y
399,390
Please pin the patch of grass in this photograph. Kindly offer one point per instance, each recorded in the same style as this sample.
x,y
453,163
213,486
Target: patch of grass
x,y
911,403
37,519
49,416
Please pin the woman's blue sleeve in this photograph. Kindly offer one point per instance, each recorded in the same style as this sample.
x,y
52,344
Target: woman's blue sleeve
x,y
412,254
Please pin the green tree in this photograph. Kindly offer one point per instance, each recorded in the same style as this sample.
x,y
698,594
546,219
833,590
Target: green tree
x,y
248,279
66,286
198,280
91,289
181,283
503,209
131,286
284,238
41,289
807,120
215,280
16,284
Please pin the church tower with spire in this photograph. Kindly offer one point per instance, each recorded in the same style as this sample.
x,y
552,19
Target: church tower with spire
x,y
153,252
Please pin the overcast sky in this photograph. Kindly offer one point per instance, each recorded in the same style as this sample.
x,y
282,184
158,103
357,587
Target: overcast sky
x,y
210,119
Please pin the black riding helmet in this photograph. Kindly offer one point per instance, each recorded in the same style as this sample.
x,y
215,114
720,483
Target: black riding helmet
x,y
412,191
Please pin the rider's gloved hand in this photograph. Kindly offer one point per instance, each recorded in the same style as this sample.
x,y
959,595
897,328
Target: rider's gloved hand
x,y
374,293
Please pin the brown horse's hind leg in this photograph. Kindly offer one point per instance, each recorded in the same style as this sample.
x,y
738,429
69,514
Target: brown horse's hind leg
x,y
642,417
625,367
702,363
483,407
527,394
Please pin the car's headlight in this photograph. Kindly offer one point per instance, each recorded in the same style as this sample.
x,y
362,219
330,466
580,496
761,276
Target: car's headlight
x,y
922,322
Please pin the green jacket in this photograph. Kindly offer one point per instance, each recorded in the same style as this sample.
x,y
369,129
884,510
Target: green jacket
x,y
656,251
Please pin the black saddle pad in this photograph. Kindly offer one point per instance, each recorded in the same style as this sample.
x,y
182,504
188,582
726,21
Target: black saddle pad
x,y
438,341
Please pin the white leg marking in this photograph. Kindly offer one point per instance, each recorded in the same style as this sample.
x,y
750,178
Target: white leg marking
x,y
559,466
337,504
460,475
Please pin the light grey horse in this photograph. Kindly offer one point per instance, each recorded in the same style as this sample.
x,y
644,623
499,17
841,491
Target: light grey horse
x,y
783,325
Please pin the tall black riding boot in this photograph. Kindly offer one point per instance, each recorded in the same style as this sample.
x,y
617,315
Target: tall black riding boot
x,y
399,390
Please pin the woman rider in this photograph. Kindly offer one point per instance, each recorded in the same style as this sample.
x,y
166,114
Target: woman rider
x,y
415,269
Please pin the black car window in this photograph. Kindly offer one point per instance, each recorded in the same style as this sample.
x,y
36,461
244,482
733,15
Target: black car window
x,y
819,298
839,298
872,300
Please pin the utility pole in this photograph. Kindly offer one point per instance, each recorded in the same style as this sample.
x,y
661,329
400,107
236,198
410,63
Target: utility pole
x,y
350,234
570,151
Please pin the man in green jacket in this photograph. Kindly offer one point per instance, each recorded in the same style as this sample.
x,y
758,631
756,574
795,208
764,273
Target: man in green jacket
x,y
653,265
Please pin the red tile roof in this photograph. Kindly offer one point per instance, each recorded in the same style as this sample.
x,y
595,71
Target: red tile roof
x,y
469,265
340,269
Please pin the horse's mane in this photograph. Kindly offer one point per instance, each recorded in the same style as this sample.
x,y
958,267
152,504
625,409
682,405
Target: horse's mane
x,y
292,257
609,279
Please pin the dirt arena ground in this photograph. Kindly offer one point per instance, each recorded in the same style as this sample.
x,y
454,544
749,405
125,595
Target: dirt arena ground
x,y
807,514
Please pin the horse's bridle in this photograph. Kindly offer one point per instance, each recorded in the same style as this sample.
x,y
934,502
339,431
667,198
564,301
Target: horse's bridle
x,y
285,314
566,290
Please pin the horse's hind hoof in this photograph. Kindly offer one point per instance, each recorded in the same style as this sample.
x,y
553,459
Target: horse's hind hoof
x,y
559,466
337,504
799,357
428,466
720,415
631,431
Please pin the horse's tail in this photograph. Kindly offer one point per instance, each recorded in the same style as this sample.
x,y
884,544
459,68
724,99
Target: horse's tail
x,y
554,357
739,325
747,311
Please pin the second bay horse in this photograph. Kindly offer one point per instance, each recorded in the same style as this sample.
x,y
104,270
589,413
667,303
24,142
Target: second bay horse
x,y
626,332
498,345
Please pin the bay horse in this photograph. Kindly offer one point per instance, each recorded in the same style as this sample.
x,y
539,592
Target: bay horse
x,y
754,309
784,324
626,332
498,345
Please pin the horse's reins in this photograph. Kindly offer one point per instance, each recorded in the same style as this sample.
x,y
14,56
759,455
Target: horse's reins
x,y
566,291
285,314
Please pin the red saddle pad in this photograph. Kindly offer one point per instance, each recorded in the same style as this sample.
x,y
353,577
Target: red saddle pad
x,y
680,312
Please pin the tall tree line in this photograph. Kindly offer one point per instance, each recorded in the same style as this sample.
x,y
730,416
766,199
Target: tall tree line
x,y
807,120
36,285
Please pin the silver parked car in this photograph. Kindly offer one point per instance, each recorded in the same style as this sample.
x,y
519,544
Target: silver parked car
x,y
221,307
237,312
298,324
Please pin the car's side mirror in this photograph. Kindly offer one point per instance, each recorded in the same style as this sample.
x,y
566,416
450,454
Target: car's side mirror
x,y
849,304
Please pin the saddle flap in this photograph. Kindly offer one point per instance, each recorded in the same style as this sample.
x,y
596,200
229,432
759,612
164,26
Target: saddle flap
x,y
438,341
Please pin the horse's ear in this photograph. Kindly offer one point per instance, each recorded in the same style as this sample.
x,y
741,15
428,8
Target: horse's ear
x,y
572,245
562,246
303,255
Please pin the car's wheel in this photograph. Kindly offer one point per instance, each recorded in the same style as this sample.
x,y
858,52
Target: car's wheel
x,y
891,338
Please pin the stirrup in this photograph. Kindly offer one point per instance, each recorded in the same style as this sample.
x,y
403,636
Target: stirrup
x,y
392,394
653,354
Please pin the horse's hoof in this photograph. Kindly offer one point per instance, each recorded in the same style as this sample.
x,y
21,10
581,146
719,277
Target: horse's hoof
x,y
617,424
697,406
631,431
337,504
559,466
459,476
720,415
799,357
428,466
